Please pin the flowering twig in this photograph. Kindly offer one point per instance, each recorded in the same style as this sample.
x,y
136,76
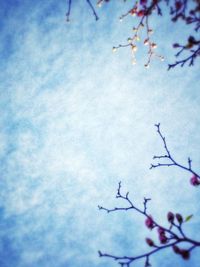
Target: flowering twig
x,y
144,9
195,179
168,237
179,9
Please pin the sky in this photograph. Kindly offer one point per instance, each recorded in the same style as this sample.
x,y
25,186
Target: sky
x,y
75,120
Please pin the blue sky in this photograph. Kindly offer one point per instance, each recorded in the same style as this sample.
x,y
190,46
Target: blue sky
x,y
75,120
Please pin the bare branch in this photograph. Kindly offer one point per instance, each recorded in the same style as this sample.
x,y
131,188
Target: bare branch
x,y
69,10
90,5
190,59
172,161
93,9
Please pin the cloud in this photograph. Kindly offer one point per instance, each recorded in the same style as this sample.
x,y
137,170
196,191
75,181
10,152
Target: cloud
x,y
75,120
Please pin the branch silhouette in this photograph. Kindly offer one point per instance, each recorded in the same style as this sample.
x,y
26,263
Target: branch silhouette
x,y
180,10
172,237
195,179
89,4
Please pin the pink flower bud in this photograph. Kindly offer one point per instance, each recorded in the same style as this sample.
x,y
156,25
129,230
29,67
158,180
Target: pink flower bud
x,y
176,249
194,180
178,5
185,254
163,239
170,217
149,222
150,242
179,218
140,13
143,2
176,45
161,231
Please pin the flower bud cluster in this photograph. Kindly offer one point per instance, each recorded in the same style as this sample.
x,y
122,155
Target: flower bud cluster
x,y
140,9
162,236
171,217
149,222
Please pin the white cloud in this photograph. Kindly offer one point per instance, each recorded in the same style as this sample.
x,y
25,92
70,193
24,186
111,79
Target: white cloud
x,y
77,120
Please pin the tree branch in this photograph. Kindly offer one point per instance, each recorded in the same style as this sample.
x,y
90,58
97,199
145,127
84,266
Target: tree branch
x,y
172,161
167,236
90,6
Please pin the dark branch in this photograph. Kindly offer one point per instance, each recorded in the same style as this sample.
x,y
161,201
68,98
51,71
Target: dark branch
x,y
172,161
69,10
93,9
190,59
90,5
168,236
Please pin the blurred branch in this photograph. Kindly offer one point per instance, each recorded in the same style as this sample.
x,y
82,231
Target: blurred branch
x,y
194,53
90,6
69,10
93,9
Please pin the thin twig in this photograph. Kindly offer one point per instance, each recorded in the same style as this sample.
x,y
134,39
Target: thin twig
x,y
172,161
69,10
93,9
